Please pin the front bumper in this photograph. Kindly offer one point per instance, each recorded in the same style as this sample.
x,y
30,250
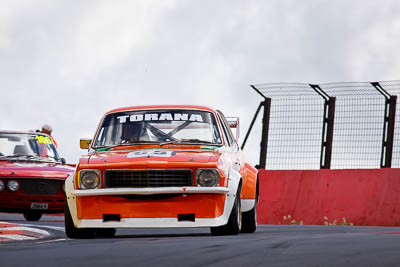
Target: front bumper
x,y
150,207
149,191
16,202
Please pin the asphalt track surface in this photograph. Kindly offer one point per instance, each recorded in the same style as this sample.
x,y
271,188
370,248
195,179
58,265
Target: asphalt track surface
x,y
282,245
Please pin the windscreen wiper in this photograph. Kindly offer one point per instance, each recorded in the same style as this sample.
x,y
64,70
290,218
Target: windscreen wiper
x,y
126,144
170,142
51,157
18,156
22,155
198,141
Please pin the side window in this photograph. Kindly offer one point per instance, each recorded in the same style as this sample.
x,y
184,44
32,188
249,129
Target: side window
x,y
100,138
226,137
227,130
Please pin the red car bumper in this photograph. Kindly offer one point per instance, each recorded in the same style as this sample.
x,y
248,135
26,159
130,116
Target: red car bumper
x,y
12,202
46,196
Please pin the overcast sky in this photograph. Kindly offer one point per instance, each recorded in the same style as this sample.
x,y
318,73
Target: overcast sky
x,y
68,62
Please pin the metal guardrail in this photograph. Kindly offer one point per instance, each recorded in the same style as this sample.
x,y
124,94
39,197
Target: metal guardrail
x,y
350,125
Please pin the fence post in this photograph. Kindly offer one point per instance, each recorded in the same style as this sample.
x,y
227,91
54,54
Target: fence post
x,y
264,134
327,127
388,126
327,135
390,132
251,125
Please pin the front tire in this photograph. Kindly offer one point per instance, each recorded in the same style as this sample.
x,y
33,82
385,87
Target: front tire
x,y
32,215
250,217
106,232
234,224
250,220
71,230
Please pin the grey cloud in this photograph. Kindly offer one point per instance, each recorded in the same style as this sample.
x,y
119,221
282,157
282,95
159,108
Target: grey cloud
x,y
67,63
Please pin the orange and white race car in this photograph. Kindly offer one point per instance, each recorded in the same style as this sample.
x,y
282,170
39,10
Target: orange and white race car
x,y
162,166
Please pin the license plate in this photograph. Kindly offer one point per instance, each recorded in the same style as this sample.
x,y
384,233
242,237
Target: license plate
x,y
39,206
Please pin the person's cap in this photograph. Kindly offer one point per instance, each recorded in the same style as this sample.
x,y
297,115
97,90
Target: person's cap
x,y
47,127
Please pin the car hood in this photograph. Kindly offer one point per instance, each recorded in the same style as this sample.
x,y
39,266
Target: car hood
x,y
34,169
158,155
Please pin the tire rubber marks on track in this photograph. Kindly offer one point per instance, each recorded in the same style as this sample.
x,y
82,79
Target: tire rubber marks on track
x,y
10,231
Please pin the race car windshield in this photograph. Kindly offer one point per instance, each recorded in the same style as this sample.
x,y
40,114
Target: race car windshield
x,y
158,126
27,146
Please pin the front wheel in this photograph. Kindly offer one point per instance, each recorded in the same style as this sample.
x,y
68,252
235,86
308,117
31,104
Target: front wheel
x,y
250,217
32,215
106,232
250,220
234,224
71,230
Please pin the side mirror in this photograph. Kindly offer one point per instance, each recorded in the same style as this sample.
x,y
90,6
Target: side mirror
x,y
84,143
63,161
234,124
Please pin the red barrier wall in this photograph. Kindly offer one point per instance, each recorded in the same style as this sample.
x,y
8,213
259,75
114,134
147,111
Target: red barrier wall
x,y
362,197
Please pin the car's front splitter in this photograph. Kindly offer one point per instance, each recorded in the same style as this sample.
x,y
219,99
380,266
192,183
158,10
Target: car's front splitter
x,y
152,222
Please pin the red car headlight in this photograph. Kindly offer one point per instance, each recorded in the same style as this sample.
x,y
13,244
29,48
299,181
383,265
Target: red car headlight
x,y
13,185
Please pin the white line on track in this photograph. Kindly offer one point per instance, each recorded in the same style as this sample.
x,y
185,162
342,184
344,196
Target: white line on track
x,y
58,228
50,241
28,229
18,237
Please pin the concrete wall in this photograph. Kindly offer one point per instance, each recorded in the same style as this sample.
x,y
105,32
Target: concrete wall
x,y
361,197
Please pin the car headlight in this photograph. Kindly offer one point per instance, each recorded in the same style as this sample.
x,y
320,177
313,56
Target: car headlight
x,y
207,177
13,185
89,179
1,185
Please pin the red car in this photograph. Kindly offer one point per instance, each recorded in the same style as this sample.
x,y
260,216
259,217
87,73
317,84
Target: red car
x,y
32,175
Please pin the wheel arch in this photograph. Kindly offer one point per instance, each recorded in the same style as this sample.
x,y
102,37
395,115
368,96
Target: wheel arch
x,y
70,198
249,189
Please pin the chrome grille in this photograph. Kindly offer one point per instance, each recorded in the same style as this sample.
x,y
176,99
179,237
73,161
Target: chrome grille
x,y
40,186
147,178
